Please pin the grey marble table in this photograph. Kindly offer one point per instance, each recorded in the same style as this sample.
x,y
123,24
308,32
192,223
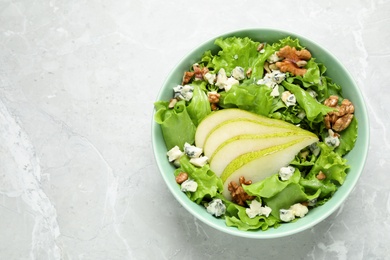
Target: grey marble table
x,y
78,79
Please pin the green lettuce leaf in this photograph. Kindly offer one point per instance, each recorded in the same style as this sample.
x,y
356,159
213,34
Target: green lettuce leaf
x,y
209,185
235,52
348,138
199,106
314,110
248,97
331,164
176,125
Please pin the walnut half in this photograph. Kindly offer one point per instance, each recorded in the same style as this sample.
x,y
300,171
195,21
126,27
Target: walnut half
x,y
340,119
239,196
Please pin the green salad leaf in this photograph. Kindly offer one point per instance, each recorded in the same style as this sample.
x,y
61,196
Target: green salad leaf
x,y
199,106
209,185
176,124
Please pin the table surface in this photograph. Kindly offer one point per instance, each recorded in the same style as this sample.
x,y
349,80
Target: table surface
x,y
78,179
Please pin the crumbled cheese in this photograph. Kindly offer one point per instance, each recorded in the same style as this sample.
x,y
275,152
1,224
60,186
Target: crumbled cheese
x,y
278,76
189,185
332,139
255,209
286,215
210,77
199,162
314,149
272,80
238,73
183,92
312,93
216,207
288,98
223,82
299,210
274,58
192,151
285,173
275,91
301,115
174,153
235,57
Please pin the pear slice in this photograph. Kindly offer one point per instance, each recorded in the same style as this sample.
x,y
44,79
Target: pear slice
x,y
240,126
220,116
260,164
242,144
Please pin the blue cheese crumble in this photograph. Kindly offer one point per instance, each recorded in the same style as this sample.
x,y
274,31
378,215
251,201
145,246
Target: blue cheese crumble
x,y
296,210
288,98
238,73
285,173
183,92
192,151
272,80
332,139
174,154
216,207
200,161
255,209
223,82
189,185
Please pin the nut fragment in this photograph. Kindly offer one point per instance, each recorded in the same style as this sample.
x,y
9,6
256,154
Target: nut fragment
x,y
249,72
321,176
172,103
181,177
238,194
293,60
260,47
213,97
340,119
187,77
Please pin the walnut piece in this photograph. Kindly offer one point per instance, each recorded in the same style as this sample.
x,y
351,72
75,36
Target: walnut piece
x,y
187,77
293,60
181,177
321,176
341,118
213,99
239,196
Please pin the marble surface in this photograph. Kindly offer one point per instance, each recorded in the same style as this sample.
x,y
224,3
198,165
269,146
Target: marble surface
x,y
78,79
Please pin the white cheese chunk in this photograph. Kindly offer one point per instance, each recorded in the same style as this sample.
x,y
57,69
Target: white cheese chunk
x,y
285,173
200,161
238,73
192,151
183,92
255,209
286,215
273,58
216,207
288,98
174,153
189,185
210,78
299,210
332,139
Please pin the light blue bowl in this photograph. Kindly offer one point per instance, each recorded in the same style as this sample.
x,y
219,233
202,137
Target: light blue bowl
x,y
356,158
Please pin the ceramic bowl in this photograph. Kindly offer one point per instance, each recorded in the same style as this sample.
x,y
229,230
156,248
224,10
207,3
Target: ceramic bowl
x,y
356,158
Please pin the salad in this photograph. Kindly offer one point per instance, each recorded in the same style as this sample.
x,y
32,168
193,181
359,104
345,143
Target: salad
x,y
277,80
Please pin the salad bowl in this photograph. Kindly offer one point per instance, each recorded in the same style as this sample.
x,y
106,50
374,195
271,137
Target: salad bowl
x,y
355,158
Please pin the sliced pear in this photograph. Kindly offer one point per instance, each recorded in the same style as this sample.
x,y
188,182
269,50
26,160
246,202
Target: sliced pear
x,y
220,116
240,126
260,164
242,144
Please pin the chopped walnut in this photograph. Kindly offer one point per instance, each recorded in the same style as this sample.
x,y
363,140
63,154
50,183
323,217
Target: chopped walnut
x,y
293,60
181,177
340,119
249,72
239,196
187,77
213,99
321,176
260,47
172,103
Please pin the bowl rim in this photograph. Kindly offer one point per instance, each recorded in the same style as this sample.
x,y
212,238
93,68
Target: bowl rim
x,y
363,136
